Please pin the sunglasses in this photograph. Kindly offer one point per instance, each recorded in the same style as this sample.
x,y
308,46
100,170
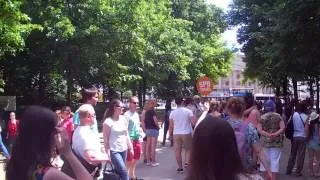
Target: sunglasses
x,y
119,106
135,102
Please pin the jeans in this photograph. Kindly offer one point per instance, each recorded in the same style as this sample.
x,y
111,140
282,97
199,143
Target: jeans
x,y
118,159
3,148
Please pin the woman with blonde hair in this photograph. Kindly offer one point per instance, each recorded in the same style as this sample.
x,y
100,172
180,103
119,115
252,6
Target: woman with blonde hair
x,y
151,127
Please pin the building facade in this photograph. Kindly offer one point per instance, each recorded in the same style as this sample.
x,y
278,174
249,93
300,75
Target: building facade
x,y
235,80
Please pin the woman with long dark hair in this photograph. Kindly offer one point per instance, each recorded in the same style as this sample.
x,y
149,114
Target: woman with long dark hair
x,y
116,137
215,153
251,113
37,139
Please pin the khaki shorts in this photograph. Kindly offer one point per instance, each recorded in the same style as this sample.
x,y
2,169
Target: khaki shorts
x,y
184,140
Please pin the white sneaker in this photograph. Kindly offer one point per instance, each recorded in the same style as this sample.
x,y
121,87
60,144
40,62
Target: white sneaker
x,y
155,164
148,164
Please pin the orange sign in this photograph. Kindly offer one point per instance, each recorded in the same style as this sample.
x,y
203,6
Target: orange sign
x,y
204,85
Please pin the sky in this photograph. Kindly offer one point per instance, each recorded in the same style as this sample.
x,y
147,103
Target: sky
x,y
230,36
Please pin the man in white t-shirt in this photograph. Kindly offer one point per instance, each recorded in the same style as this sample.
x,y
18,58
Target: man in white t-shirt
x,y
85,142
90,96
299,141
180,127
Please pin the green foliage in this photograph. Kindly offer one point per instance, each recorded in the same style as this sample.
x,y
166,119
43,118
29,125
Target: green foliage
x,y
122,45
15,26
279,38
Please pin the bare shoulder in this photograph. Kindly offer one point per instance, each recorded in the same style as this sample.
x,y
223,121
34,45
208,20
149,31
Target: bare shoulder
x,y
53,174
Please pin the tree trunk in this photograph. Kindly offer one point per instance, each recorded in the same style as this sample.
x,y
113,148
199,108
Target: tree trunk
x,y
318,90
144,88
140,95
310,83
41,91
285,90
295,89
112,94
278,91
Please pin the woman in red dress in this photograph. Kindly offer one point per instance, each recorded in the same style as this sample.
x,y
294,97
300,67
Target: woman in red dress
x,y
12,130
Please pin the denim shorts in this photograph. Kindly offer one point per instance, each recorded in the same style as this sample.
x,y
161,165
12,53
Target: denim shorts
x,y
152,133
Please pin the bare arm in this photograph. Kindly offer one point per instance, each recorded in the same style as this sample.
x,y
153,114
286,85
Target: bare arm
x,y
261,131
193,119
171,127
92,157
155,119
306,129
280,131
143,124
106,135
64,147
129,143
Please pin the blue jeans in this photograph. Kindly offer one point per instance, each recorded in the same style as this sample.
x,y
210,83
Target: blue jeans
x,y
118,159
3,148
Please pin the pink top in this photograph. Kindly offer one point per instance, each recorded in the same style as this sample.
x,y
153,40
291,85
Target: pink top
x,y
67,124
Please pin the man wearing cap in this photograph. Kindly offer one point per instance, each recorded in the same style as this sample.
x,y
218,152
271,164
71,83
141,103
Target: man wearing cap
x,y
271,127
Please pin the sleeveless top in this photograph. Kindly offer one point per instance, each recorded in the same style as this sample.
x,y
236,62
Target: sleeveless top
x,y
39,173
252,117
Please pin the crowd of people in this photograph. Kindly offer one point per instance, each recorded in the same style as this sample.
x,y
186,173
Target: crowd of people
x,y
234,139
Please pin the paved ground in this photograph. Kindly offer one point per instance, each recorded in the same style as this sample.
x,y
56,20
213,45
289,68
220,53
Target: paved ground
x,y
167,168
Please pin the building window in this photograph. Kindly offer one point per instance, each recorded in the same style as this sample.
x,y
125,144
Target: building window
x,y
227,83
238,76
250,84
238,83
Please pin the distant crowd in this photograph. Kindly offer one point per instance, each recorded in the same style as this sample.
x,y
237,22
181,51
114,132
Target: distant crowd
x,y
234,139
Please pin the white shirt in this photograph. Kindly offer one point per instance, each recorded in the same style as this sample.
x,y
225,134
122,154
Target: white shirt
x,y
298,125
182,120
85,139
118,134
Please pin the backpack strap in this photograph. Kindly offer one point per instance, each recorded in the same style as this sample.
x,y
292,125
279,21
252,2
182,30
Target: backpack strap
x,y
302,121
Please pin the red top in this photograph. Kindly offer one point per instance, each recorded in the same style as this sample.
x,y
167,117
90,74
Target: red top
x,y
13,128
67,124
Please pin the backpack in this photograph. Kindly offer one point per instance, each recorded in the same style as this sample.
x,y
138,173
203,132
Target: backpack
x,y
289,129
240,133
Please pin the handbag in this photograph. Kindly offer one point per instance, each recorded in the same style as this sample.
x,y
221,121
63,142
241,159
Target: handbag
x,y
110,173
289,129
